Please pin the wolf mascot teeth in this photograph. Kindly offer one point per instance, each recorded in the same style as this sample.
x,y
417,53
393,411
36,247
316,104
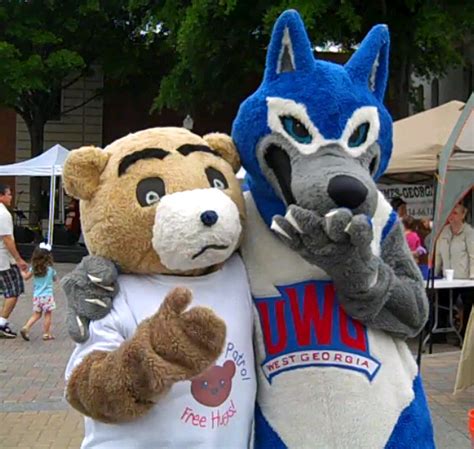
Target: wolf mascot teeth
x,y
313,138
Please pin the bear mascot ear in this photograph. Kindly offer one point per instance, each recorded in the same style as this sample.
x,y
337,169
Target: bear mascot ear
x,y
82,170
224,145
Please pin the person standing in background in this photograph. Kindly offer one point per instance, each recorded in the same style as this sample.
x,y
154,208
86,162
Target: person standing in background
x,y
412,237
10,263
455,250
43,275
455,246
73,218
399,206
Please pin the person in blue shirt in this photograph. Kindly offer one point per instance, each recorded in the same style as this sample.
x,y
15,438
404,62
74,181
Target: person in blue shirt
x,y
43,275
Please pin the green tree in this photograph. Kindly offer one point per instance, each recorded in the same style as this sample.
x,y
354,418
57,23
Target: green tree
x,y
47,45
221,44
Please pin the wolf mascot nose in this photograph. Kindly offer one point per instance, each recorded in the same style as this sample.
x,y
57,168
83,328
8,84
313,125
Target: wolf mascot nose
x,y
347,191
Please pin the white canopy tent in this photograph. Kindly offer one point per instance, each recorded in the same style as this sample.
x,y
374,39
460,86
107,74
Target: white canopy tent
x,y
419,139
456,168
50,163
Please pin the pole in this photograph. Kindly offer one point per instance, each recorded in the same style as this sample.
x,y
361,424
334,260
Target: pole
x,y
430,280
61,200
52,191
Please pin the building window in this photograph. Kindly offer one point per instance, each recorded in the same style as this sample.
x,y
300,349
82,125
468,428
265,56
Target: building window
x,y
420,95
468,80
57,107
434,93
417,98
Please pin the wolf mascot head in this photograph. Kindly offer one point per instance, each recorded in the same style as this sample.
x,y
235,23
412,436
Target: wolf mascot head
x,y
310,115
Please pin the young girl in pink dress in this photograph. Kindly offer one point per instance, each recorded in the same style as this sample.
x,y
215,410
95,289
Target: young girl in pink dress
x,y
412,237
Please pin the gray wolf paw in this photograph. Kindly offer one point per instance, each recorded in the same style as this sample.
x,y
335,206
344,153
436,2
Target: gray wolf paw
x,y
339,242
90,289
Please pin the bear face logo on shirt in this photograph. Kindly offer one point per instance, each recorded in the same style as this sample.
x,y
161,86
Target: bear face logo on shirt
x,y
213,387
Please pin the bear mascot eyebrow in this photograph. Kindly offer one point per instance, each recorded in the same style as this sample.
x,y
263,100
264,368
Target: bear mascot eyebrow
x,y
334,285
166,207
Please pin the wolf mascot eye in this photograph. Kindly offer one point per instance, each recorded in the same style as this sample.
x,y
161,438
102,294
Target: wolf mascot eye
x,y
359,136
296,129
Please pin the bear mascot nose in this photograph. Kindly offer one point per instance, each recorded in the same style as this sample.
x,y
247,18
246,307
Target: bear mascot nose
x,y
209,217
347,191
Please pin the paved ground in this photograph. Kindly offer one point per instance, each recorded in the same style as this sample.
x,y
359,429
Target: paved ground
x,y
33,414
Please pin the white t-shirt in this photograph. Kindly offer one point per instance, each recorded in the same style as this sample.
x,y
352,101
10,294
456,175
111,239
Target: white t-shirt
x,y
6,228
209,415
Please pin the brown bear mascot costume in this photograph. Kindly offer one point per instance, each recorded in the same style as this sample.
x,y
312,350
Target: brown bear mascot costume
x,y
165,205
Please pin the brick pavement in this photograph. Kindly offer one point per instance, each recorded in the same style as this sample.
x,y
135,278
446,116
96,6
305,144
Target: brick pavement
x,y
41,430
34,415
31,373
449,412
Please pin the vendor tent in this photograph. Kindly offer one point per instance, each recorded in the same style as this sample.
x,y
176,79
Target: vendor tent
x,y
420,138
47,163
50,163
456,167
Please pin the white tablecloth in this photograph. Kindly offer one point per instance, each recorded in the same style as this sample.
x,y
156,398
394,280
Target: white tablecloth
x,y
455,283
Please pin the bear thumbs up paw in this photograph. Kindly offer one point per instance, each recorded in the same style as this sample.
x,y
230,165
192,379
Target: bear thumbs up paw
x,y
192,339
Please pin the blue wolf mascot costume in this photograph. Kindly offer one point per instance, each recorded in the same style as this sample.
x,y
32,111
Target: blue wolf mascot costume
x,y
313,138
336,290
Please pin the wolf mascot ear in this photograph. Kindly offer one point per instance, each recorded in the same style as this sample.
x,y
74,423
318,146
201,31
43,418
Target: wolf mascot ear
x,y
369,64
289,49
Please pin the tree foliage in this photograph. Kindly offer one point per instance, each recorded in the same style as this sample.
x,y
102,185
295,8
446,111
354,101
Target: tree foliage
x,y
220,45
47,45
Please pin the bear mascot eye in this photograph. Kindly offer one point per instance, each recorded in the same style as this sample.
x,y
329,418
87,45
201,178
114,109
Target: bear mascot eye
x,y
149,191
216,179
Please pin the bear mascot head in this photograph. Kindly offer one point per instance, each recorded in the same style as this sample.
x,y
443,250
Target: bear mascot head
x,y
162,200
126,204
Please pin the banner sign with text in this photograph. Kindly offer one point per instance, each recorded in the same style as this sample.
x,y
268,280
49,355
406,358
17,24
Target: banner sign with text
x,y
419,197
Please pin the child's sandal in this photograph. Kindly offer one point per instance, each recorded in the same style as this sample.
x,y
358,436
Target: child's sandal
x,y
47,337
25,334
